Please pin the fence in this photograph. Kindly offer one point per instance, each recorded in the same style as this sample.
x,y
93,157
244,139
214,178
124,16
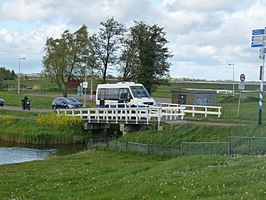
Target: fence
x,y
203,148
196,109
134,147
125,114
246,145
235,145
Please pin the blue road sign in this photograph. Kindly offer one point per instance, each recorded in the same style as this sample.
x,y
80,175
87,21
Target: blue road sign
x,y
257,38
257,44
258,32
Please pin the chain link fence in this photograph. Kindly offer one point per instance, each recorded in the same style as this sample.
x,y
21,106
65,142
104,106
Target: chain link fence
x,y
234,146
203,148
246,145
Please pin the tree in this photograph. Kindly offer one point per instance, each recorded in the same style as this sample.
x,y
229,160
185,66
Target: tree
x,y
109,38
144,58
6,74
67,57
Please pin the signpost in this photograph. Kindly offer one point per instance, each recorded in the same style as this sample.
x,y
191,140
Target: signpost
x,y
241,88
258,40
85,86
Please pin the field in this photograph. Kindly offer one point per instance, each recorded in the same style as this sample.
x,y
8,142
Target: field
x,y
110,175
96,174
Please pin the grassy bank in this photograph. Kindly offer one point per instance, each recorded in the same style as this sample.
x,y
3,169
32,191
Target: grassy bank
x,y
42,129
173,134
109,175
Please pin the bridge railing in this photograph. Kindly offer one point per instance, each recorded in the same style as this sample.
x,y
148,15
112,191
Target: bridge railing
x,y
196,109
126,115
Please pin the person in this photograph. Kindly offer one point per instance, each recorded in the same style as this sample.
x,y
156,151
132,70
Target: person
x,y
25,99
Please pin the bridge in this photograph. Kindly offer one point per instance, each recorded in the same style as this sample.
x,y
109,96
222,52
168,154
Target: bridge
x,y
136,118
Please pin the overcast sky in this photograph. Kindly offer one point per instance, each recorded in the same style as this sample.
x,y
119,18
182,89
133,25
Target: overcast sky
x,y
204,35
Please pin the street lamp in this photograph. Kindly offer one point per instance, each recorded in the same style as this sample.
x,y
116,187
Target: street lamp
x,y
233,78
19,73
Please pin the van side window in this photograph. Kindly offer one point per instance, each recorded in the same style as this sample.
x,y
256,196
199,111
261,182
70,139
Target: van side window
x,y
101,95
111,94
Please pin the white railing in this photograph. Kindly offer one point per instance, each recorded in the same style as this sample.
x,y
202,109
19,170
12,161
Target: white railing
x,y
125,114
196,109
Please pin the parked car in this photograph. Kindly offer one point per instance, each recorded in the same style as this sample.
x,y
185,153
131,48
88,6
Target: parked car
x,y
2,101
66,102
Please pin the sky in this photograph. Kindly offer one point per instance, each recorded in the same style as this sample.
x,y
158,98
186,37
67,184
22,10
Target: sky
x,y
205,36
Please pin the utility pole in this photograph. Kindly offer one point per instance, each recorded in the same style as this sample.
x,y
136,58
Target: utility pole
x,y
19,73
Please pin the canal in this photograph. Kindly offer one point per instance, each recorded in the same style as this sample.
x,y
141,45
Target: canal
x,y
16,153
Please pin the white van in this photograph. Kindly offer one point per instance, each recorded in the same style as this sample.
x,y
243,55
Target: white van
x,y
129,93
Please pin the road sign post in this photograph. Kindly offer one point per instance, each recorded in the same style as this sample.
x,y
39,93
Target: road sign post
x,y
258,40
241,88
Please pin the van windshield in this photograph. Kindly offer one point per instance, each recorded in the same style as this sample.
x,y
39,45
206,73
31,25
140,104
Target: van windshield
x,y
139,92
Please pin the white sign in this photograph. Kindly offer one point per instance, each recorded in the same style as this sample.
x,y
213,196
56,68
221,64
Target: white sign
x,y
241,86
85,84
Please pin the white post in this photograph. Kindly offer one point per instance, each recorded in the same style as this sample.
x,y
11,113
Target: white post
x,y
233,78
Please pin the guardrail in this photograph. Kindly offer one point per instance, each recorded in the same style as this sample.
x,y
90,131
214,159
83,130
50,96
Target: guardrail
x,y
126,115
196,109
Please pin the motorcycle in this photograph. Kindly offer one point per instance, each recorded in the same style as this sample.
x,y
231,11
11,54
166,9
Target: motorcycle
x,y
25,104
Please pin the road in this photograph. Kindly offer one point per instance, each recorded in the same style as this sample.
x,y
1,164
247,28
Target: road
x,y
36,110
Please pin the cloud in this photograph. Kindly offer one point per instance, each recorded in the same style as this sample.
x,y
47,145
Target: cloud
x,y
203,35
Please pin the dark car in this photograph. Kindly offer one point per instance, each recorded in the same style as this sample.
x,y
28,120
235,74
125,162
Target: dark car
x,y
2,102
66,102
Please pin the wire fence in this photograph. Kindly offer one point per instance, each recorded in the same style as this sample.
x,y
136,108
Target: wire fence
x,y
246,145
234,146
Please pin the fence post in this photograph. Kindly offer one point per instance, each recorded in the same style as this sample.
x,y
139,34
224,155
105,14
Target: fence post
x,y
229,146
148,149
126,146
107,143
253,144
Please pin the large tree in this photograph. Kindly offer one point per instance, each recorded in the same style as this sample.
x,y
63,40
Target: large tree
x,y
109,39
145,55
67,57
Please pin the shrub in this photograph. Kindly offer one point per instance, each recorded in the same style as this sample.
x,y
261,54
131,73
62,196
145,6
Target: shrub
x,y
58,121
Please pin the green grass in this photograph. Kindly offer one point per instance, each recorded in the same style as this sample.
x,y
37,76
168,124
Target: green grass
x,y
36,84
165,91
173,135
109,175
112,175
14,99
41,129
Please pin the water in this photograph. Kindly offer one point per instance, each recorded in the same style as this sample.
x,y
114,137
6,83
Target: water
x,y
17,153
20,154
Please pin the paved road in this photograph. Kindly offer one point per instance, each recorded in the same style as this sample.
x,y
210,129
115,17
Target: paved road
x,y
36,110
